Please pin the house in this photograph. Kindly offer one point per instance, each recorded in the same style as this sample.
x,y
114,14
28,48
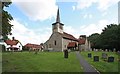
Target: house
x,y
60,40
33,47
83,43
13,45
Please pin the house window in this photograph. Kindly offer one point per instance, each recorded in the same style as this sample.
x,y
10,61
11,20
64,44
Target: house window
x,y
55,42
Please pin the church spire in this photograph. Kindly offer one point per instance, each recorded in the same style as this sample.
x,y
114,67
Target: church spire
x,y
58,16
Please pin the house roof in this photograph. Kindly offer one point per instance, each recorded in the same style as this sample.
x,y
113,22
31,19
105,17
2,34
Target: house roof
x,y
29,45
81,41
11,42
69,36
72,44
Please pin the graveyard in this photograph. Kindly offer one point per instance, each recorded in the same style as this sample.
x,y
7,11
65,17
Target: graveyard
x,y
102,64
41,62
55,62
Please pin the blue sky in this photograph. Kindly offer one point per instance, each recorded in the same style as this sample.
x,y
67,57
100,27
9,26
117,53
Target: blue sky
x,y
33,19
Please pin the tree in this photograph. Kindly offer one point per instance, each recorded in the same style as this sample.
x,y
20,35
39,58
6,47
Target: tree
x,y
108,39
110,36
6,18
95,40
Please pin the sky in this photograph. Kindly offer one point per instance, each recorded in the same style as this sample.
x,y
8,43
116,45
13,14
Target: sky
x,y
33,18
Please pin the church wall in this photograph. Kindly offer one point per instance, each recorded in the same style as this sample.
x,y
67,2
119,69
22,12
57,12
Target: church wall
x,y
54,43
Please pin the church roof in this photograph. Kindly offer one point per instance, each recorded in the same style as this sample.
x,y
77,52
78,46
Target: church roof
x,y
58,19
58,16
81,41
69,36
72,44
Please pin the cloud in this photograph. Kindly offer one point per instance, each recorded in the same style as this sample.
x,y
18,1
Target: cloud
x,y
37,9
94,28
26,35
88,16
102,5
81,4
73,7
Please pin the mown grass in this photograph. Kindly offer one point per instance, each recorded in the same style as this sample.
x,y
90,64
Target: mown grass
x,y
41,62
102,66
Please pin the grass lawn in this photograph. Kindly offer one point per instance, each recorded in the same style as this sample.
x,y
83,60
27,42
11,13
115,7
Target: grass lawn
x,y
41,62
102,66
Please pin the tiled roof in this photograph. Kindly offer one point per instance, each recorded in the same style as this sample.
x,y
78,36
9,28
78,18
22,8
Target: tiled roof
x,y
72,44
11,42
69,36
81,41
33,45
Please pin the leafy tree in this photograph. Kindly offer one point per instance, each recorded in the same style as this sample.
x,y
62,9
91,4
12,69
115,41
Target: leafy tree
x,y
108,39
110,36
6,18
94,39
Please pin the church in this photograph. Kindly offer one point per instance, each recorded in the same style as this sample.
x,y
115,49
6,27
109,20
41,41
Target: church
x,y
60,40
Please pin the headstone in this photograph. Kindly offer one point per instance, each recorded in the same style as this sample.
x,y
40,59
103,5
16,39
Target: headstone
x,y
89,55
110,59
106,50
96,49
65,53
114,50
96,58
104,56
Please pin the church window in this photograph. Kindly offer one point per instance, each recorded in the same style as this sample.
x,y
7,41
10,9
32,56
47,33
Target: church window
x,y
55,42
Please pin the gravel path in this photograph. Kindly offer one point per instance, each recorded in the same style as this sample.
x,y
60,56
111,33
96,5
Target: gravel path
x,y
88,69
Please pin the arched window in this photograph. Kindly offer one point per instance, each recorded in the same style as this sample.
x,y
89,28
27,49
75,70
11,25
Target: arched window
x,y
55,42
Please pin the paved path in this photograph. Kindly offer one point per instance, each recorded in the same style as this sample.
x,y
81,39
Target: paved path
x,y
86,66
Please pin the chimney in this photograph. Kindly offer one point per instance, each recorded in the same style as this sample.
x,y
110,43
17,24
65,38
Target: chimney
x,y
13,38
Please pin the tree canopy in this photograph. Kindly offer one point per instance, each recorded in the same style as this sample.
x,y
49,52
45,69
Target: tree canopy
x,y
6,18
108,39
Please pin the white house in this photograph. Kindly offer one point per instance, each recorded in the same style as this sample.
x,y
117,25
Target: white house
x,y
13,45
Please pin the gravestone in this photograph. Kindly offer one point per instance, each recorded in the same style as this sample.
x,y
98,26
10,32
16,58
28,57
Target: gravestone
x,y
114,50
96,50
106,50
104,56
89,55
110,59
96,58
65,53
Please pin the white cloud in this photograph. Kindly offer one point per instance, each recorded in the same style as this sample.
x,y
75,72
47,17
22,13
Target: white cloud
x,y
102,5
26,35
88,16
37,9
105,4
73,7
81,4
94,28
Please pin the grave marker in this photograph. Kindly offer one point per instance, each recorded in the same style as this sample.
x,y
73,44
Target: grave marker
x,y
65,53
110,59
89,55
96,58
104,56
